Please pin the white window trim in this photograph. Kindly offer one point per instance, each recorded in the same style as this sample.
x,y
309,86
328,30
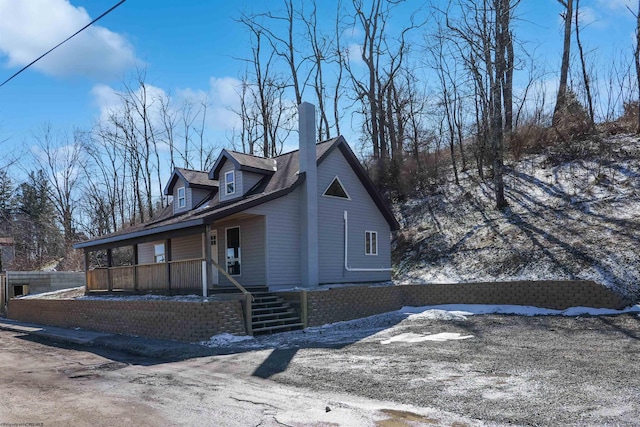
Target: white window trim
x,y
226,249
156,255
182,201
370,249
227,182
324,193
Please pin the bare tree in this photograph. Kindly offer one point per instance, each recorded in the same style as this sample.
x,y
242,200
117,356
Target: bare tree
x,y
61,159
561,99
636,56
502,19
446,75
384,58
585,75
320,48
266,90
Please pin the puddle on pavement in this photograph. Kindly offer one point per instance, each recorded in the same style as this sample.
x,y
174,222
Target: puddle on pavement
x,y
404,419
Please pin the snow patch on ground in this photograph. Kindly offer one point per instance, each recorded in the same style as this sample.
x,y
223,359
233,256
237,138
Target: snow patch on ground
x,y
388,326
225,339
521,310
148,297
411,338
61,293
566,221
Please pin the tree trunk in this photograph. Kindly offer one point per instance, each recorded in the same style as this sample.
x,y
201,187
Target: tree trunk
x,y
502,11
637,58
564,68
585,76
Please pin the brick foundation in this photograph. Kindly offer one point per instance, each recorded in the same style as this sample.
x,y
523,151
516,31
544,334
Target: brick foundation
x,y
175,320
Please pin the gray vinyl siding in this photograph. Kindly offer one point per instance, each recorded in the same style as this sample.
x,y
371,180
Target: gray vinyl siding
x,y
146,253
187,195
252,253
226,167
196,195
249,179
363,215
283,239
186,247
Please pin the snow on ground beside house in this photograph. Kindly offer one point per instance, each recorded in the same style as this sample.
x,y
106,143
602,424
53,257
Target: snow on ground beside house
x,y
59,294
411,338
226,339
149,297
566,221
387,328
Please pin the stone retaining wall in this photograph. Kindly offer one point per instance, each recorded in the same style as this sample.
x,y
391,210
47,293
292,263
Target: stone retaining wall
x,y
346,303
338,304
175,320
197,321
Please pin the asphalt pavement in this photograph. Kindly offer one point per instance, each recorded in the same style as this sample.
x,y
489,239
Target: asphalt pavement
x,y
135,345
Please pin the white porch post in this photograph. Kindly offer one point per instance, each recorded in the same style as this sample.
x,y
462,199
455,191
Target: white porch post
x,y
206,267
205,286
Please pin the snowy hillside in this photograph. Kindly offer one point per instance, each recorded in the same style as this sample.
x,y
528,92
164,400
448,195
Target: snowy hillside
x,y
574,220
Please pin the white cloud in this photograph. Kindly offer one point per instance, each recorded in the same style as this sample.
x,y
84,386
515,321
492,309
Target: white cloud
x,y
30,28
352,32
587,16
354,53
110,101
225,98
221,98
618,5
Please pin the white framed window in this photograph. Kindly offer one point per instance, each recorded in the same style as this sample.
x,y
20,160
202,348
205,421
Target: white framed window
x,y
230,182
182,198
336,189
371,243
233,251
158,252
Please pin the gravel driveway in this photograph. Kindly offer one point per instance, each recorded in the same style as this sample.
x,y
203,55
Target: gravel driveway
x,y
396,369
547,370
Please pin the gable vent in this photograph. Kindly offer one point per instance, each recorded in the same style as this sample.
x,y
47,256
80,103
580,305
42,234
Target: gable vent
x,y
336,189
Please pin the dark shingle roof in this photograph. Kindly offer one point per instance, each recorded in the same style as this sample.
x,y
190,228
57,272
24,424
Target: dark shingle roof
x,y
244,162
275,184
255,162
197,177
192,178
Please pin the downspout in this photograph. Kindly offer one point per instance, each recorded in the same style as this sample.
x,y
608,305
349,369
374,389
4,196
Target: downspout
x,y
346,247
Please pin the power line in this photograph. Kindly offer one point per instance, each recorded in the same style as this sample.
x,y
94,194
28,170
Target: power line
x,y
63,42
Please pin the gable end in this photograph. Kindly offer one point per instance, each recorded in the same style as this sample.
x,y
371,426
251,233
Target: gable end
x,y
364,179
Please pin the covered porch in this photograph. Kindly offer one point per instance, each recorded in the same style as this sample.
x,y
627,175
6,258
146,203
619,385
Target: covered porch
x,y
224,256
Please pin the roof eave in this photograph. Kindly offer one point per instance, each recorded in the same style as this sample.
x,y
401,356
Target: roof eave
x,y
138,234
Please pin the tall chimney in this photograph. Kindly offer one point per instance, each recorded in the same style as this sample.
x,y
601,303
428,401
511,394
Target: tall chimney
x,y
309,208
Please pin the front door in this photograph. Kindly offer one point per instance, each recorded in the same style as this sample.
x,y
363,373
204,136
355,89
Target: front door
x,y
214,255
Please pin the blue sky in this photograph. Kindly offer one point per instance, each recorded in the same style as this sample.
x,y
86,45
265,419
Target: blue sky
x,y
192,47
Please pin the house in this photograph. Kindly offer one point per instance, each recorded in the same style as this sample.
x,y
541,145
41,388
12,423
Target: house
x,y
305,218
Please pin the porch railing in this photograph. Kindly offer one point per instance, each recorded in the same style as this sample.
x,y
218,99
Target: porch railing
x,y
184,274
187,274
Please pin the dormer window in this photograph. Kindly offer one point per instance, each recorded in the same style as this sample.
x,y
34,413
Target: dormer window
x,y
230,182
182,199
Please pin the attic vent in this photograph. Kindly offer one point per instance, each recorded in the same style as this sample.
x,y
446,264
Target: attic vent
x,y
335,189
